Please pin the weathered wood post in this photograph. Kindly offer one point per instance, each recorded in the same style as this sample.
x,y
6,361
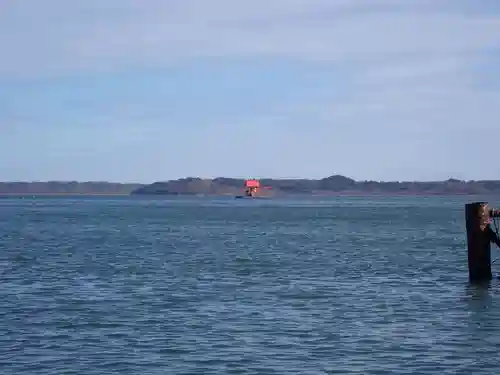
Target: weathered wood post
x,y
479,238
478,242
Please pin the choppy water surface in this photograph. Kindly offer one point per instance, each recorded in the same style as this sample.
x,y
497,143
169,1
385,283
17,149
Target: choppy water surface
x,y
339,286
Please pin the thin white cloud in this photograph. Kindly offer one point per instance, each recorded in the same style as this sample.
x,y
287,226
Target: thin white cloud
x,y
59,35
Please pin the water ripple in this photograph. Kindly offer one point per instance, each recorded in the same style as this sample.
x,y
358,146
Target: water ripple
x,y
341,286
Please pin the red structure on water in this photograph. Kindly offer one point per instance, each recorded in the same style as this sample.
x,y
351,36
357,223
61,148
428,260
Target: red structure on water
x,y
253,187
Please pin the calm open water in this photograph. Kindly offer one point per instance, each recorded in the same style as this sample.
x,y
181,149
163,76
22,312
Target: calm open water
x,y
200,286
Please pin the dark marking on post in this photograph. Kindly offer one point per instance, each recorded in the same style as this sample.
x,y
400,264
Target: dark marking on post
x,y
477,216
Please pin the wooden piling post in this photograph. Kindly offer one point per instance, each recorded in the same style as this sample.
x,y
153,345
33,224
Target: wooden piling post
x,y
477,217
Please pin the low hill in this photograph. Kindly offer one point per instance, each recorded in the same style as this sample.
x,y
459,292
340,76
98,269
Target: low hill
x,y
335,184
66,188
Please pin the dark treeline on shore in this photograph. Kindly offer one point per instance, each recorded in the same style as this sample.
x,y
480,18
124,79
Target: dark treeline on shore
x,y
220,186
330,185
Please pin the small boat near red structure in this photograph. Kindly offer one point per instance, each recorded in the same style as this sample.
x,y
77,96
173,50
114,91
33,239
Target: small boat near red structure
x,y
252,189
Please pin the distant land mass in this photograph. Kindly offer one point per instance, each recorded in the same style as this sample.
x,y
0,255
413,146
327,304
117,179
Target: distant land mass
x,y
333,185
67,188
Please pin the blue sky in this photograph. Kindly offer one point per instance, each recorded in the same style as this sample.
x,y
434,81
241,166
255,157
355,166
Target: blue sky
x,y
127,90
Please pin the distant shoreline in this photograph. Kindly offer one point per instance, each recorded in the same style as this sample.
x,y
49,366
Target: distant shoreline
x,y
66,188
289,195
63,194
335,185
328,186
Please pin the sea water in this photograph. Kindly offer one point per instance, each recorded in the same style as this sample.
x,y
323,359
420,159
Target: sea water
x,y
344,285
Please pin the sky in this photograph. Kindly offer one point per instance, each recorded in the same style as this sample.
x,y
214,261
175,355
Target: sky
x,y
144,91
